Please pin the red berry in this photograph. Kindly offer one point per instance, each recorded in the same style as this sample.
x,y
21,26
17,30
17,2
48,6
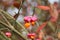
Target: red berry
x,y
33,23
27,25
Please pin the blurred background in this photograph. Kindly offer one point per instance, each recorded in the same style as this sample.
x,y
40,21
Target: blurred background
x,y
29,19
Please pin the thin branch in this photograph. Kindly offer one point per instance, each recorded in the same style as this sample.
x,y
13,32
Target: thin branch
x,y
13,29
13,19
16,16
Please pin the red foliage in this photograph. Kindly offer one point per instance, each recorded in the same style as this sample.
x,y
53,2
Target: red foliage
x,y
54,15
41,26
43,7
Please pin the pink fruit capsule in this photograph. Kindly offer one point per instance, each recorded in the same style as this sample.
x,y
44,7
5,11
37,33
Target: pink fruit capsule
x,y
34,18
27,18
8,34
31,35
